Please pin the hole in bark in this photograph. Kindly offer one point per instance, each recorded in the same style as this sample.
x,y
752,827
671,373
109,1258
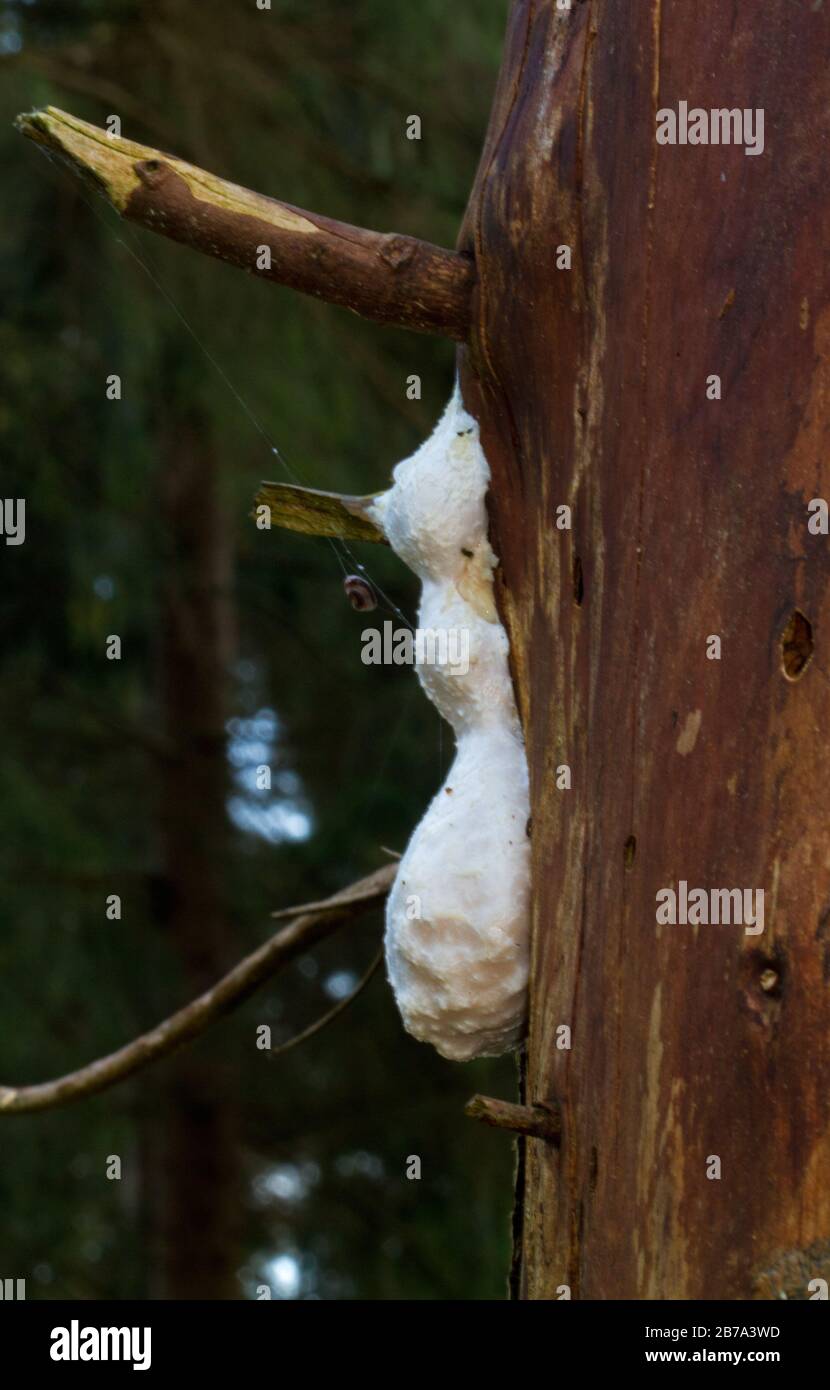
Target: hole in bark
x,y
796,646
594,1169
629,852
764,971
149,170
771,974
579,583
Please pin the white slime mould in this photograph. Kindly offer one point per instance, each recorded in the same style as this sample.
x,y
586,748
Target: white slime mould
x,y
457,915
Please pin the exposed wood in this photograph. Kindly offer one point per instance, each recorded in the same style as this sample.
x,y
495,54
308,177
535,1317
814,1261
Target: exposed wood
x,y
383,276
319,513
689,519
310,925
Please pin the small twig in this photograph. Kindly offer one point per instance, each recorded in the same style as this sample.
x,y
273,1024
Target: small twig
x,y
313,923
327,1018
357,894
542,1120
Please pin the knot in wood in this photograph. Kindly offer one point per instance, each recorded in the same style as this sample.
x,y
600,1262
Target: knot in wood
x,y
152,172
397,251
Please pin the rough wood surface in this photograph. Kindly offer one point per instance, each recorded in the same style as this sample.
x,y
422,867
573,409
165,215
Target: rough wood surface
x,y
689,519
383,276
316,513
541,1121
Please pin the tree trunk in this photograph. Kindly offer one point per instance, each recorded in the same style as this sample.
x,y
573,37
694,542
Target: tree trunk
x,y
689,520
192,1143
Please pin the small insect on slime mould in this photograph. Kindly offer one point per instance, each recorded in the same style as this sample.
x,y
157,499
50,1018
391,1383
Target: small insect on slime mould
x,y
457,914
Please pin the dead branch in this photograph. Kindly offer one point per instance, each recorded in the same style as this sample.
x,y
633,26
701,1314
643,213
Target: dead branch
x,y
316,513
387,277
538,1121
310,924
331,1014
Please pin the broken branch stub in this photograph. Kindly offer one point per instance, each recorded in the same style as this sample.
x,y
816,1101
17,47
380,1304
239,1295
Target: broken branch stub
x,y
316,513
541,1120
386,277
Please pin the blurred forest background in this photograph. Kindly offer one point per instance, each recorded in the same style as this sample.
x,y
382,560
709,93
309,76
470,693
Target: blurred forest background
x,y
135,776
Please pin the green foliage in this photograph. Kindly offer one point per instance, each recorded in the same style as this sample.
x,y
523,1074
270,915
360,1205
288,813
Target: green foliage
x,y
308,103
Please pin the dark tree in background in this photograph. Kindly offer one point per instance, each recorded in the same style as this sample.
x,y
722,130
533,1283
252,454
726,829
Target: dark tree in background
x,y
135,777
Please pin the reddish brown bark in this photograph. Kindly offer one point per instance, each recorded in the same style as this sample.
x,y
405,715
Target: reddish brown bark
x,y
689,519
387,277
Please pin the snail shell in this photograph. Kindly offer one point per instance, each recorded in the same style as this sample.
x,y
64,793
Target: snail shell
x,y
360,593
